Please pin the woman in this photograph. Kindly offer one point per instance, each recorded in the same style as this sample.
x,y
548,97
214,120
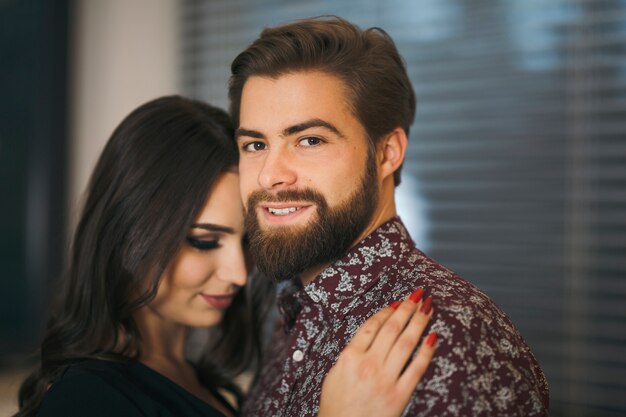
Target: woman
x,y
160,249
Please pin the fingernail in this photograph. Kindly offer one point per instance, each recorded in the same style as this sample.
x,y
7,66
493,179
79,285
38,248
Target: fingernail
x,y
395,304
431,339
416,295
426,307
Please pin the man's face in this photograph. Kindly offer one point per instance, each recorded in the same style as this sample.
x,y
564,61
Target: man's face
x,y
308,180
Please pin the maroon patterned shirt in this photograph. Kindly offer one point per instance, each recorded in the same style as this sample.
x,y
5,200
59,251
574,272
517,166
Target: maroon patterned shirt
x,y
482,366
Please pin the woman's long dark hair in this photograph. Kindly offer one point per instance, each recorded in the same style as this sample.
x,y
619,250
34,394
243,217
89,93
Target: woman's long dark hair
x,y
150,182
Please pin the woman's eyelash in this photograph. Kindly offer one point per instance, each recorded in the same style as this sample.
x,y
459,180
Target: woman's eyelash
x,y
203,244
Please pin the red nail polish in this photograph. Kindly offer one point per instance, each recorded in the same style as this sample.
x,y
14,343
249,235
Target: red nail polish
x,y
431,339
427,306
395,304
416,295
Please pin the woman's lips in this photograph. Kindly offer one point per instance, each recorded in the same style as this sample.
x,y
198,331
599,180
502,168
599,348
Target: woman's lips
x,y
221,302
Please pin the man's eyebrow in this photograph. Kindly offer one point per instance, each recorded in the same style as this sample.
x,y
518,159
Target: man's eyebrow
x,y
309,124
213,227
249,133
291,130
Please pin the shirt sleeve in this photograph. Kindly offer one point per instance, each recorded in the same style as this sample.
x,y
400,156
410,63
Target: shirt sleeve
x,y
86,394
481,367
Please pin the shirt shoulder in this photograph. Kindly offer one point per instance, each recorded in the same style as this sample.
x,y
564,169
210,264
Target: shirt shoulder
x,y
482,365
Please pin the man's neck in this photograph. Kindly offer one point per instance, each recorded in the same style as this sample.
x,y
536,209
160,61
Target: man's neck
x,y
310,274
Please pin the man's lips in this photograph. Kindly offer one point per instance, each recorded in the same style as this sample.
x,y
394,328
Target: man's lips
x,y
220,302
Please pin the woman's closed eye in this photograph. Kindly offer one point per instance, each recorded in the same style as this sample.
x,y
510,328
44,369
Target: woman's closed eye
x,y
203,244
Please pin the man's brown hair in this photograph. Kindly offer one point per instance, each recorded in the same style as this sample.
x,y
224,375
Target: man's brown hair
x,y
367,61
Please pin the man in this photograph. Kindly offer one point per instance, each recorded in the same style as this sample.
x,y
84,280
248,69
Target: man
x,y
323,111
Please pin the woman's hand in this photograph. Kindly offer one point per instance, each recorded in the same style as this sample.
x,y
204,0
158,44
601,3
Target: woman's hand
x,y
372,376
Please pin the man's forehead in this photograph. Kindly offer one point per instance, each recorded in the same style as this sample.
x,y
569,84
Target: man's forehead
x,y
300,86
285,103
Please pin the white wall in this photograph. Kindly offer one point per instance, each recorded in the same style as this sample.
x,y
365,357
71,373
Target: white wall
x,y
125,52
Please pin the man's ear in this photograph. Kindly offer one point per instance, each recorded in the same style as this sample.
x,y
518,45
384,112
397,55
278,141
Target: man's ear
x,y
391,152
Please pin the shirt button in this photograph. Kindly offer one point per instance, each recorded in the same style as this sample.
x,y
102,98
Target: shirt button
x,y
298,355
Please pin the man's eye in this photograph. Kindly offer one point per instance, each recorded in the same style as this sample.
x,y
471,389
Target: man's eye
x,y
202,244
254,146
310,141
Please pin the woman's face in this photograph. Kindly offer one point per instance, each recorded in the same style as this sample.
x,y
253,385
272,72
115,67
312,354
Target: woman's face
x,y
202,279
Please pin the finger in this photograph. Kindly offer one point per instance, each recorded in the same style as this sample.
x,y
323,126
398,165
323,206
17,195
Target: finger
x,y
407,342
394,326
368,331
418,365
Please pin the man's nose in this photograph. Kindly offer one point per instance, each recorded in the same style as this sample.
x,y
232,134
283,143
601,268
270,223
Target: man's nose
x,y
277,171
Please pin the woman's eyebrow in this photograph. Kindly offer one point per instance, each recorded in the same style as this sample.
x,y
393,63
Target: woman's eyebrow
x,y
213,227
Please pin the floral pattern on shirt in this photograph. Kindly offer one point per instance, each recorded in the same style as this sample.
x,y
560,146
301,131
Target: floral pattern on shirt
x,y
482,366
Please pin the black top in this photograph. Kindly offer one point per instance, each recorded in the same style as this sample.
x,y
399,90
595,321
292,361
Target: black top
x,y
99,388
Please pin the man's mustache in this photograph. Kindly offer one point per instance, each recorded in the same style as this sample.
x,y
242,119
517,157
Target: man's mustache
x,y
304,195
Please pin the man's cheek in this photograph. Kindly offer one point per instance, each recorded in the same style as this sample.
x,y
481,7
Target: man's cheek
x,y
246,191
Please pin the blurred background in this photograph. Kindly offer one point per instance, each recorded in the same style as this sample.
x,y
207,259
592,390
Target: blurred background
x,y
515,176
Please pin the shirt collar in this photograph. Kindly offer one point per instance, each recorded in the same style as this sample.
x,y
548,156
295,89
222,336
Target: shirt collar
x,y
339,287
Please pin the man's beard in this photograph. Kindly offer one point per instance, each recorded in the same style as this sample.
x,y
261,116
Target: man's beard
x,y
282,252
